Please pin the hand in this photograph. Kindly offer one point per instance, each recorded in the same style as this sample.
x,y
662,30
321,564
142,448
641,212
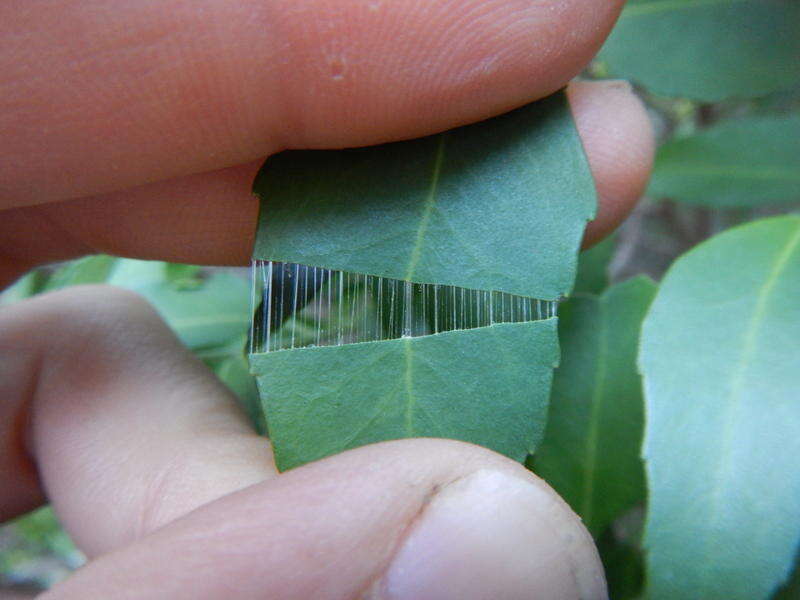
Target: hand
x,y
136,129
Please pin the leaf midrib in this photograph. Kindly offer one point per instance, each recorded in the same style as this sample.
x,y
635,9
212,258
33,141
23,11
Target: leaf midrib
x,y
735,172
659,6
408,382
750,339
430,203
592,435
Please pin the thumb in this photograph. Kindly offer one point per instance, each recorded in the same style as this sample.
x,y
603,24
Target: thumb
x,y
405,520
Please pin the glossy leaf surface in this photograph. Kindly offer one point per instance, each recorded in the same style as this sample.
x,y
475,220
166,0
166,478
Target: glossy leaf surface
x,y
739,163
720,357
590,454
499,205
488,386
707,49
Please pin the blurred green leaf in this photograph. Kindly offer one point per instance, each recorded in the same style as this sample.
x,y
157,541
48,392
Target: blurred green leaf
x,y
229,363
41,527
28,285
593,267
739,163
791,590
211,315
624,566
590,453
203,313
708,50
488,386
182,275
132,274
720,356
90,269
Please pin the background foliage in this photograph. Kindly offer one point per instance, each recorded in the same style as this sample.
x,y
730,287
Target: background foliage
x,y
718,507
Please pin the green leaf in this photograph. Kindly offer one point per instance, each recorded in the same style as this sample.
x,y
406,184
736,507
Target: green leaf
x,y
739,163
791,590
499,205
720,356
183,275
211,315
488,386
203,314
26,286
233,371
590,454
708,50
624,567
90,269
134,274
593,266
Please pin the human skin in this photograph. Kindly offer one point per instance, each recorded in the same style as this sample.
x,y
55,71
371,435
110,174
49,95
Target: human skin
x,y
136,129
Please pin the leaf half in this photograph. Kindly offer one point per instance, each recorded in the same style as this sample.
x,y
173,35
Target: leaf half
x,y
721,362
488,386
499,205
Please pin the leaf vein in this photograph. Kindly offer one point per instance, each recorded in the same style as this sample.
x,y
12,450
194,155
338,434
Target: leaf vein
x,y
430,203
408,381
658,6
737,172
592,436
750,342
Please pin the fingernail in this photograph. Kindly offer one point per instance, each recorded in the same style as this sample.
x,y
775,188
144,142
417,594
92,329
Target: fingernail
x,y
492,536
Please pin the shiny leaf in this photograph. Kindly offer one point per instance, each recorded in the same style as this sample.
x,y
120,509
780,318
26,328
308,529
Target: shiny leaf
x,y
720,356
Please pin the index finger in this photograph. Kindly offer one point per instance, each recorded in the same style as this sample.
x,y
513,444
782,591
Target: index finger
x,y
97,96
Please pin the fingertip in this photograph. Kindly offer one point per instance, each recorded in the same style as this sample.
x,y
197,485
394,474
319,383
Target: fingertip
x,y
165,90
617,135
418,518
492,535
443,65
